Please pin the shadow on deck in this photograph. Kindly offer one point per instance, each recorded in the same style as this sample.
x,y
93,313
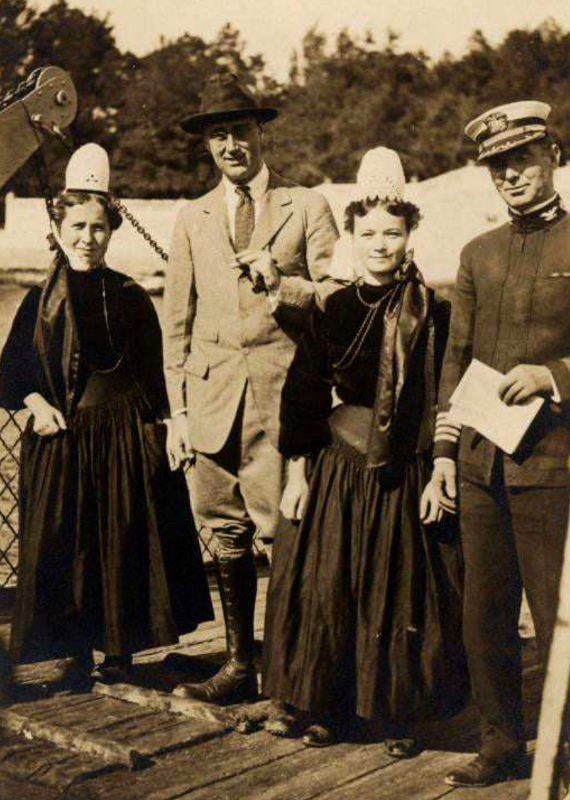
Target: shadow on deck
x,y
138,742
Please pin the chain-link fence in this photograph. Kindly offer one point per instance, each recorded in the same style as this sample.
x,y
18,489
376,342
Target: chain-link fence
x,y
11,427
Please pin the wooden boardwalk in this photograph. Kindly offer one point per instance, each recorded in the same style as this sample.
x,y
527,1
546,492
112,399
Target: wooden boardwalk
x,y
151,746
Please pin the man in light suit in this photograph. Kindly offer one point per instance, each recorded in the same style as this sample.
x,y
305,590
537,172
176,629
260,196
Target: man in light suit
x,y
246,262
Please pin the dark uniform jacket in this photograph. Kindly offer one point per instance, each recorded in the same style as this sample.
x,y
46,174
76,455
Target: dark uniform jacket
x,y
512,306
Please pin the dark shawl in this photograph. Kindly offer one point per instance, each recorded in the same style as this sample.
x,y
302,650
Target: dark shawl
x,y
406,319
56,341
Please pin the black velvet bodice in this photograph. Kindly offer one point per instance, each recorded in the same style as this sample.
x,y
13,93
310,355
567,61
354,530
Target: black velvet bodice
x,y
354,378
324,361
97,317
96,309
132,328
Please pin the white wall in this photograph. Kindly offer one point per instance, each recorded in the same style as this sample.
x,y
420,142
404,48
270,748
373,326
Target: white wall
x,y
456,206
23,238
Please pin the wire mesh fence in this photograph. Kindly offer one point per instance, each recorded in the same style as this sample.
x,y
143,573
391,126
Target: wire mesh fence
x,y
11,428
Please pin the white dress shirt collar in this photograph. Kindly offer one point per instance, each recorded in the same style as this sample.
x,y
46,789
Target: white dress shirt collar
x,y
257,186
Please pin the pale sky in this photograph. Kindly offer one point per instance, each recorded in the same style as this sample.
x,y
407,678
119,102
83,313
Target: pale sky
x,y
275,27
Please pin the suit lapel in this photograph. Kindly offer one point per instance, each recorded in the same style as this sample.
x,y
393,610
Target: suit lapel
x,y
216,214
276,210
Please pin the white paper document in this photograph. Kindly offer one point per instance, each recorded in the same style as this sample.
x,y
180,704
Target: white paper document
x,y
476,403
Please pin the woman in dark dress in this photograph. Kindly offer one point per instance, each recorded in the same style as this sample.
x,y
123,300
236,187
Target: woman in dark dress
x,y
364,603
109,557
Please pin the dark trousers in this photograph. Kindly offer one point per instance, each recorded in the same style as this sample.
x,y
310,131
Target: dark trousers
x,y
513,538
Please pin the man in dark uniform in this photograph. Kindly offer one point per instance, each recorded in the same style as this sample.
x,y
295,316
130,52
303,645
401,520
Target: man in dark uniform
x,y
511,311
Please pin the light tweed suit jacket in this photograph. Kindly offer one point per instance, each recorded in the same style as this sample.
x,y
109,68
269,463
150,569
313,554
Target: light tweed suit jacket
x,y
218,333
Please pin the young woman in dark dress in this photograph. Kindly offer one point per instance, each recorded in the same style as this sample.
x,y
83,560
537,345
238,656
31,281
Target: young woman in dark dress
x,y
109,558
364,602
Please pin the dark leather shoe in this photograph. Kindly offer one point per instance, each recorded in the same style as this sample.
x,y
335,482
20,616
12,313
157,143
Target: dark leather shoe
x,y
282,721
481,772
234,683
75,678
319,735
401,748
114,669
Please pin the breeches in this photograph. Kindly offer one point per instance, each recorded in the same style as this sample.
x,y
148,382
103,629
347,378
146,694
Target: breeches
x,y
513,538
237,492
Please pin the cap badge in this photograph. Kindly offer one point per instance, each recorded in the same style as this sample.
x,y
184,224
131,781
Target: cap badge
x,y
496,123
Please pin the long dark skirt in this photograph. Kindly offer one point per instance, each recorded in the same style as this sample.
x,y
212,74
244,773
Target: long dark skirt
x,y
364,603
109,554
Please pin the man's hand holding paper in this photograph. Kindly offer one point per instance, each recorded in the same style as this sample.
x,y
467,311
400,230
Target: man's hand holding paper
x,y
525,381
500,407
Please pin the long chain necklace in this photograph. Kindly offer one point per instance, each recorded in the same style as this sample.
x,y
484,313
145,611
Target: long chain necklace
x,y
355,346
108,327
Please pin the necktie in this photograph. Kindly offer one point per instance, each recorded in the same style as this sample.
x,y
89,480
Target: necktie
x,y
245,218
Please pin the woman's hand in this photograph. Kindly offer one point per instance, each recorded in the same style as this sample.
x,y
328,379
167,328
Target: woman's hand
x,y
48,420
296,490
178,446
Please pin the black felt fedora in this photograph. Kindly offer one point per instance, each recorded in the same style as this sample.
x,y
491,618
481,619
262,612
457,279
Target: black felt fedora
x,y
224,98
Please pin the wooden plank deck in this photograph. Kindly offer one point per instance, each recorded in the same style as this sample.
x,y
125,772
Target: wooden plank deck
x,y
140,743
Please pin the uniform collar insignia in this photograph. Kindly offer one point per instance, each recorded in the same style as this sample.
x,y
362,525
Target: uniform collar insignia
x,y
550,215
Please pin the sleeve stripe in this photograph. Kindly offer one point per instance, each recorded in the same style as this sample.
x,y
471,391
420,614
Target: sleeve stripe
x,y
446,430
446,438
443,418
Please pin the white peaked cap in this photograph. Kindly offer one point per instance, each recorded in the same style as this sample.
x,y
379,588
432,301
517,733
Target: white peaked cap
x,y
381,175
508,126
88,170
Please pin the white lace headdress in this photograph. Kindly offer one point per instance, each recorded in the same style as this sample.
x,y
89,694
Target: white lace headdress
x,y
381,175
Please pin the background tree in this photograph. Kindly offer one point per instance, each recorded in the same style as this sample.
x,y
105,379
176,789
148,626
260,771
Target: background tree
x,y
153,155
341,97
16,18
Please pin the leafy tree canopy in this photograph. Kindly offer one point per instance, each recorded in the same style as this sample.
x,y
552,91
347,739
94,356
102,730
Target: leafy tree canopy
x,y
341,97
